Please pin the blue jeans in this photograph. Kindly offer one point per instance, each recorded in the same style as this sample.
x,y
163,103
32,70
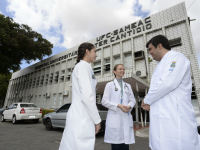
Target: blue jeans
x,y
120,146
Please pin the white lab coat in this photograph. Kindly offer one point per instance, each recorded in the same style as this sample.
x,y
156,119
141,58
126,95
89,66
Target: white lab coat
x,y
172,120
79,133
119,125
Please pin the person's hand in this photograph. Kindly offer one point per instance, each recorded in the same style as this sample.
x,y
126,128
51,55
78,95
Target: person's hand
x,y
142,103
127,108
122,107
97,128
146,107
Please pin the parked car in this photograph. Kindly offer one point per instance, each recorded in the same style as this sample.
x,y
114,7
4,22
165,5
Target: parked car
x,y
198,122
22,111
197,113
1,110
58,118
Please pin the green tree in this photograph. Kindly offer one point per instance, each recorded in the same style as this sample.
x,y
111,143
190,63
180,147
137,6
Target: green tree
x,y
4,81
19,42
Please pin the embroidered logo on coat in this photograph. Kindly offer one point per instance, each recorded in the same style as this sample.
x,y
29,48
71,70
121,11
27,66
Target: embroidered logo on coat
x,y
93,75
172,66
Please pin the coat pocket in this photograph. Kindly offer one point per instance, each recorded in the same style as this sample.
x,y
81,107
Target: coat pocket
x,y
112,121
130,119
87,128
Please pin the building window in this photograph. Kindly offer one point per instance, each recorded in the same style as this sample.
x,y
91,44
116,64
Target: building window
x,y
27,82
44,100
107,66
98,98
37,83
56,77
97,68
175,42
24,82
34,101
128,61
62,77
54,100
46,80
39,100
34,82
51,78
116,60
193,94
41,81
61,100
69,74
30,83
23,85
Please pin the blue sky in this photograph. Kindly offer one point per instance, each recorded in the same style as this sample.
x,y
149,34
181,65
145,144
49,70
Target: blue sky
x,y
55,50
61,23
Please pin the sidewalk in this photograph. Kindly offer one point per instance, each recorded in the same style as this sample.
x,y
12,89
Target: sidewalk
x,y
141,131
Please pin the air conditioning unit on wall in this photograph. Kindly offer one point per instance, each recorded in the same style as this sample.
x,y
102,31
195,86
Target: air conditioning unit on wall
x,y
139,55
65,93
141,73
48,94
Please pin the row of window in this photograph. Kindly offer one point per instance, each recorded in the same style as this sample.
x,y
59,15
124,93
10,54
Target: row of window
x,y
128,58
59,78
127,64
41,101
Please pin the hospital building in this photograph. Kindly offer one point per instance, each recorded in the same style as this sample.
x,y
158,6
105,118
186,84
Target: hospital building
x,y
48,83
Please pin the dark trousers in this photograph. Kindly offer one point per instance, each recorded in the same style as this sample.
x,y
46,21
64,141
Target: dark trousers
x,y
120,146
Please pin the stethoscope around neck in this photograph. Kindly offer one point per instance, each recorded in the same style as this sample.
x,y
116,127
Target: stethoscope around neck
x,y
125,86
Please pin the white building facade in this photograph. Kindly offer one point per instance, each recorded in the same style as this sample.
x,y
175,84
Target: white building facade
x,y
48,83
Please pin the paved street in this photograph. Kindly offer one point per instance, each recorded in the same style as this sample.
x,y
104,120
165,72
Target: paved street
x,y
30,136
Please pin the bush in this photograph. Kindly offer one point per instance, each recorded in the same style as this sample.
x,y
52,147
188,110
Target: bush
x,y
46,111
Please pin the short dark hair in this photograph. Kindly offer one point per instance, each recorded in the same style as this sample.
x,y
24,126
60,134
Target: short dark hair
x,y
159,39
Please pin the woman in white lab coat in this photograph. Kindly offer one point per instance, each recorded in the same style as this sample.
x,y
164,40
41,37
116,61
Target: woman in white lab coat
x,y
119,99
83,119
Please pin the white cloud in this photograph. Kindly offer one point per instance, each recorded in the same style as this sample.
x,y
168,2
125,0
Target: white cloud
x,y
34,61
192,12
78,21
1,12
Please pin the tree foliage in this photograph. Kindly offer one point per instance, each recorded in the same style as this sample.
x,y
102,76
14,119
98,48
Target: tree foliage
x,y
20,42
4,81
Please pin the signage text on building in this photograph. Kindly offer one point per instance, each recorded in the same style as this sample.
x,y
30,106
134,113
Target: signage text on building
x,y
118,34
56,60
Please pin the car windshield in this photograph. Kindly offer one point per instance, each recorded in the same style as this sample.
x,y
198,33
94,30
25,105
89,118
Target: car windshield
x,y
27,105
101,107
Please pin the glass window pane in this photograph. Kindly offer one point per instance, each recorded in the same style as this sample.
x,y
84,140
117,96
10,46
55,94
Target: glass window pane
x,y
60,103
54,100
27,105
128,61
117,60
65,107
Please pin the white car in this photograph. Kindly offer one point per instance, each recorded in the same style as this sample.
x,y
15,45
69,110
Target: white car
x,y
22,111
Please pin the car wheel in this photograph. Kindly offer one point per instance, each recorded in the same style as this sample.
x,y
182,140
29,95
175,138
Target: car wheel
x,y
49,124
36,120
14,121
2,119
198,128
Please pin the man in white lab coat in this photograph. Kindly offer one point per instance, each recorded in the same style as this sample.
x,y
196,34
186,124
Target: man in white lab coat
x,y
172,120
